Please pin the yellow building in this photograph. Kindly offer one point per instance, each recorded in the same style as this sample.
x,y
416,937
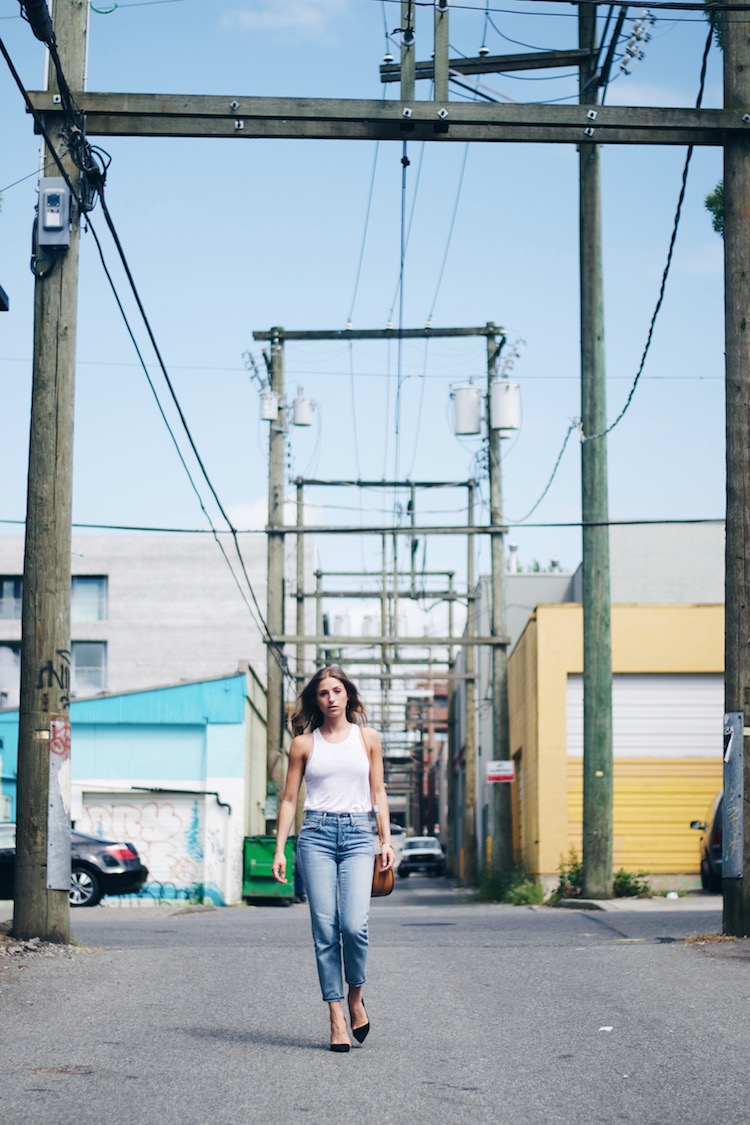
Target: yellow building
x,y
667,665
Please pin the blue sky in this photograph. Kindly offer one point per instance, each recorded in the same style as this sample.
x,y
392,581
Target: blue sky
x,y
227,237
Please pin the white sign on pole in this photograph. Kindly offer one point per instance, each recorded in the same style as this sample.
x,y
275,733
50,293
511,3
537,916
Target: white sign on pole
x,y
501,771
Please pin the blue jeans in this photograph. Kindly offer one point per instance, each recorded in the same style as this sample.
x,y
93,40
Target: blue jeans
x,y
336,853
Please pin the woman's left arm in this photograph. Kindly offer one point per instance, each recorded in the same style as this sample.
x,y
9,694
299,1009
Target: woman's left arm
x,y
379,796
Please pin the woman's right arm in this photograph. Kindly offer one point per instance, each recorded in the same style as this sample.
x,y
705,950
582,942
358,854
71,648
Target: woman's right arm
x,y
288,804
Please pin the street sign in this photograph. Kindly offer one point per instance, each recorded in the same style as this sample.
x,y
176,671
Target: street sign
x,y
500,771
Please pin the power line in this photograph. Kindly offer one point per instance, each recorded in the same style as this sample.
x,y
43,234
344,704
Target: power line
x,y
657,522
670,253
678,214
573,426
82,155
167,424
507,38
666,5
368,210
359,374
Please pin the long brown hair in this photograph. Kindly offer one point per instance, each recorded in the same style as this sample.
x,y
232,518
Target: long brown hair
x,y
308,716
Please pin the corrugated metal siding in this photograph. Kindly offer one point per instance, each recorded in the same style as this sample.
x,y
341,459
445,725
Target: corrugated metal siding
x,y
654,801
214,701
656,715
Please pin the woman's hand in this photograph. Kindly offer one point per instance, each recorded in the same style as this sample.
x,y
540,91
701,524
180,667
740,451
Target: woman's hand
x,y
278,867
387,857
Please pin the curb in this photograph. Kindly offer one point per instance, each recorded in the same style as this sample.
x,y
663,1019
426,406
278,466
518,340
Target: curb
x,y
658,903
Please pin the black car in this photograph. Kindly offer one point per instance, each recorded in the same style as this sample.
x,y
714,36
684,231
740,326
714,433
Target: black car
x,y
422,853
98,867
710,844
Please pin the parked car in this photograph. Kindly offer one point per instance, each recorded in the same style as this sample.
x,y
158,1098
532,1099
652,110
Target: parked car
x,y
398,836
710,844
98,867
422,853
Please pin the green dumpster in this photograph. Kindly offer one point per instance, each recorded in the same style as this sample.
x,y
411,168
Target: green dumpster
x,y
257,878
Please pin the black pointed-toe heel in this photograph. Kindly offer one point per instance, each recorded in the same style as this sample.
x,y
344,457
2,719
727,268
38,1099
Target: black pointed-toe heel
x,y
361,1033
341,1048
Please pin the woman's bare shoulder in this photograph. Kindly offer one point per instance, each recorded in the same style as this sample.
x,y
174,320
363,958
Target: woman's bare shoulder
x,y
302,744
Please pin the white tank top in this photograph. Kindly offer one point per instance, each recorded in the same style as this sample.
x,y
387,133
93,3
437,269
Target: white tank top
x,y
337,775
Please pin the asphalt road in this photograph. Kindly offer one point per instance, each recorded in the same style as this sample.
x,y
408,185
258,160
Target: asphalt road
x,y
479,1012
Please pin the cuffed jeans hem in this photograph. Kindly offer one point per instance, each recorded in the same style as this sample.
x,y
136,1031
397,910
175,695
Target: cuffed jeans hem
x,y
340,999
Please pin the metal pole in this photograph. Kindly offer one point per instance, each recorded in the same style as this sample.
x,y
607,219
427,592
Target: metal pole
x,y
42,873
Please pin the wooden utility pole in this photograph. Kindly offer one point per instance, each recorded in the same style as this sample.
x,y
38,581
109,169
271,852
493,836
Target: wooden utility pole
x,y
275,562
737,301
469,871
300,593
408,12
502,815
597,644
42,879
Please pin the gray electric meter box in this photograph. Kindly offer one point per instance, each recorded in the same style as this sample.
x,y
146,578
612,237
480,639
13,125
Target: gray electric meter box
x,y
53,219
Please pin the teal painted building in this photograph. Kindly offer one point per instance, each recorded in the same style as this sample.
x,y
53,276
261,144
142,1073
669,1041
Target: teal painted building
x,y
180,771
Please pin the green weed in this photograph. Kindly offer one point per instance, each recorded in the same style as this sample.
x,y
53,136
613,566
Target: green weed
x,y
515,887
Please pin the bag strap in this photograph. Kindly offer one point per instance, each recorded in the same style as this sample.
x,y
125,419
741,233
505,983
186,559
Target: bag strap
x,y
375,808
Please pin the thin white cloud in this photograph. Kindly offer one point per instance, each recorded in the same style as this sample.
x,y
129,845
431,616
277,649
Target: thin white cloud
x,y
305,17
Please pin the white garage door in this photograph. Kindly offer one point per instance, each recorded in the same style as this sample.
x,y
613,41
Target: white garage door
x,y
661,716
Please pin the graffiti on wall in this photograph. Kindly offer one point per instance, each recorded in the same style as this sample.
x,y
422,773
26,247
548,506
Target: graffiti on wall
x,y
168,835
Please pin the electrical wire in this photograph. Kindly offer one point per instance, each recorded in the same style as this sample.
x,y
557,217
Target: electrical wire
x,y
517,42
415,194
86,158
433,303
575,425
451,229
368,211
353,407
30,176
166,421
667,5
400,342
675,227
547,524
517,522
275,648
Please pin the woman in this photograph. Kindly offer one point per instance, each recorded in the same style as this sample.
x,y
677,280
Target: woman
x,y
342,766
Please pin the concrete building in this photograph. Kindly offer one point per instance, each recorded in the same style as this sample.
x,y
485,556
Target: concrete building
x,y
148,610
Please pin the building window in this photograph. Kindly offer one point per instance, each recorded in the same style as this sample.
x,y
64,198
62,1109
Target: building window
x,y
10,673
88,599
88,667
11,592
